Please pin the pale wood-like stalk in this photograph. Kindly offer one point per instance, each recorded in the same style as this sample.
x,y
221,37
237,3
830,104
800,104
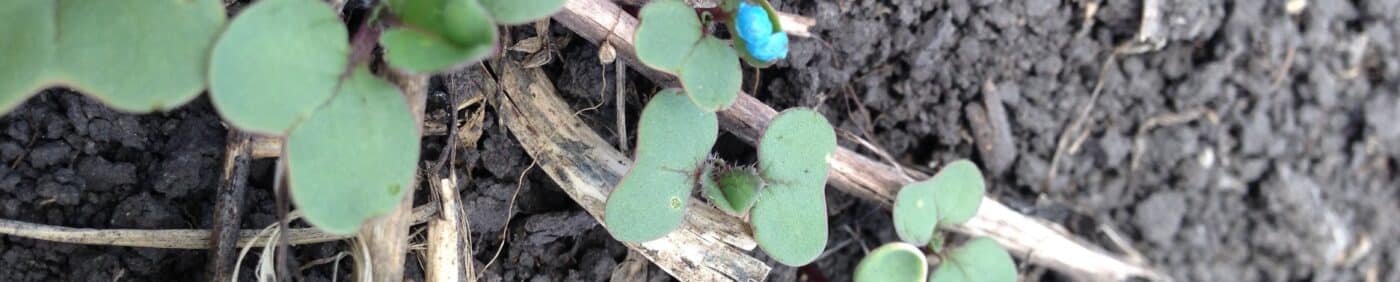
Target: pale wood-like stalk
x,y
708,246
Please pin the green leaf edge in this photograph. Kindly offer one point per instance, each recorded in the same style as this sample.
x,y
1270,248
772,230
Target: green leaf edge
x,y
730,96
935,192
641,45
955,261
224,110
49,77
867,265
901,214
469,53
948,217
301,199
537,14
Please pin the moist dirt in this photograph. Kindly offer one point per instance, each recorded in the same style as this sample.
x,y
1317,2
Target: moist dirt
x,y
1254,145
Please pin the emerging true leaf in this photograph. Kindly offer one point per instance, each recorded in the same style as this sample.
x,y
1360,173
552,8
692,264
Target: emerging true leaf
x,y
521,11
731,189
980,260
666,35
419,52
356,157
711,74
436,17
438,34
789,219
893,262
79,45
936,243
673,139
276,63
467,24
950,197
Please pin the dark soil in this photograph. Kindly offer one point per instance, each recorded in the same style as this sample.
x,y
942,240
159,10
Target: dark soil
x,y
1291,165
1292,170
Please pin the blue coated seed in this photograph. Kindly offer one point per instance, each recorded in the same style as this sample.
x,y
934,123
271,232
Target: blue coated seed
x,y
756,30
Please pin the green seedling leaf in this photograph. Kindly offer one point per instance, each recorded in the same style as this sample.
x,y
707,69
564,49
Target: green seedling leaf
x,y
153,58
356,157
28,46
439,35
950,197
521,11
278,61
915,216
981,260
668,32
456,21
789,219
673,139
711,74
79,45
893,262
731,189
426,15
960,192
419,52
670,39
467,24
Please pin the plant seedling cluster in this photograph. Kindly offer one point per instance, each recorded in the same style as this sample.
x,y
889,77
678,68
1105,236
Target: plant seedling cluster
x,y
284,68
674,39
951,197
783,195
280,68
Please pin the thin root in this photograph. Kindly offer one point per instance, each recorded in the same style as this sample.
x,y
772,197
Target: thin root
x,y
1122,243
334,260
1140,142
510,211
878,152
1282,71
1074,128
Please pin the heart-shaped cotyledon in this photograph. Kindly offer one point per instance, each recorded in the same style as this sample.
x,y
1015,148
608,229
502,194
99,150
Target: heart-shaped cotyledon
x,y
673,141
